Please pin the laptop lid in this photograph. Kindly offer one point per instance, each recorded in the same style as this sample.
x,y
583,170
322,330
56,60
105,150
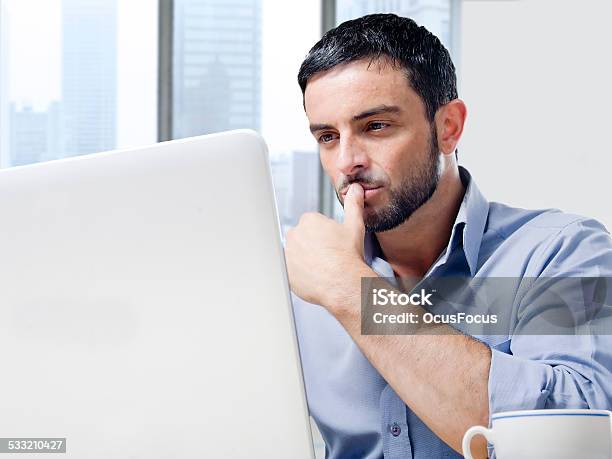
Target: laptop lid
x,y
144,305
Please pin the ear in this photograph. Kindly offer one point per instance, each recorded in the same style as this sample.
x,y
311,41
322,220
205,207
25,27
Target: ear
x,y
450,119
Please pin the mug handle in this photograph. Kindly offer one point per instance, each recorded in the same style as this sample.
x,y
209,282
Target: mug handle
x,y
471,433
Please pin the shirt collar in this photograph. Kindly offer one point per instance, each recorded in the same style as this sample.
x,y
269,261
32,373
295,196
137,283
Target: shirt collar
x,y
473,213
469,226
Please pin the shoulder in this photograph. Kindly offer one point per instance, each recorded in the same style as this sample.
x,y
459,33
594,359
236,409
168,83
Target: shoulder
x,y
506,220
561,243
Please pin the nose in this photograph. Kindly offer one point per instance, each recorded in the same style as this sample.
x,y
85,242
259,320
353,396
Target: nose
x,y
352,157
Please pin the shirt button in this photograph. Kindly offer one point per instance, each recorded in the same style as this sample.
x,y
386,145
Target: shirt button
x,y
395,429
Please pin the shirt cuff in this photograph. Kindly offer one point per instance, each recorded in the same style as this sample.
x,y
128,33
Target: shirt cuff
x,y
517,384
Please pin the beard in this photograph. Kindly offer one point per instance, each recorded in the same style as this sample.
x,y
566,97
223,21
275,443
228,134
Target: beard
x,y
413,191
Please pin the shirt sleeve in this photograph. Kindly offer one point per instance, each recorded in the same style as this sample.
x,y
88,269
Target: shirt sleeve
x,y
560,371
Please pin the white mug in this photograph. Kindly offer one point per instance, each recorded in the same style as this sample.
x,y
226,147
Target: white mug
x,y
559,434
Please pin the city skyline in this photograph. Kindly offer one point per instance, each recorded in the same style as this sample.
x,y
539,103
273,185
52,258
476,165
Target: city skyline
x,y
34,135
296,185
218,54
36,80
83,120
33,73
89,77
218,59
221,79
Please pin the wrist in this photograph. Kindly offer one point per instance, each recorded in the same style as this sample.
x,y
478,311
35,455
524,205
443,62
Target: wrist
x,y
344,298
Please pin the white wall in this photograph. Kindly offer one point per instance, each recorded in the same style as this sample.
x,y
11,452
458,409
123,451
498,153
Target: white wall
x,y
536,76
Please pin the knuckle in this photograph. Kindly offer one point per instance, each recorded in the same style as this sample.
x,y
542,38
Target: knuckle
x,y
309,216
304,218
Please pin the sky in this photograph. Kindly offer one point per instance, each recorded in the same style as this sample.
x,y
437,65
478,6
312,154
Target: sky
x,y
35,61
35,65
34,69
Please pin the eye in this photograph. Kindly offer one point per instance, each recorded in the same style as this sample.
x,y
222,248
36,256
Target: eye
x,y
376,126
326,138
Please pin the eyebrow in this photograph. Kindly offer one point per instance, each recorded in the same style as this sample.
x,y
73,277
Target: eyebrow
x,y
377,111
366,114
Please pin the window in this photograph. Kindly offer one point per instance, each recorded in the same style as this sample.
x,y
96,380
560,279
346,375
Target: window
x,y
235,66
66,87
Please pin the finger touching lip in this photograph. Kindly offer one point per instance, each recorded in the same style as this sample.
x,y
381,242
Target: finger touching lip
x,y
369,190
365,186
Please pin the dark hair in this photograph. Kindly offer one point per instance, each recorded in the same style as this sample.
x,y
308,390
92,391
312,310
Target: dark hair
x,y
429,68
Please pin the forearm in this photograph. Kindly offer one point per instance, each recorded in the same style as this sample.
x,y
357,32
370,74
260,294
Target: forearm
x,y
442,377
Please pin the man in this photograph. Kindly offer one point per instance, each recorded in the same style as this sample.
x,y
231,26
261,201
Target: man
x,y
380,95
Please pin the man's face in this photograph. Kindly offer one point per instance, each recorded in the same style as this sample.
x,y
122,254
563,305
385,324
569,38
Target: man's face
x,y
372,129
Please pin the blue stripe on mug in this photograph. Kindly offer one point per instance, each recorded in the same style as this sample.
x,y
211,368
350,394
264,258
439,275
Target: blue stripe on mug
x,y
496,417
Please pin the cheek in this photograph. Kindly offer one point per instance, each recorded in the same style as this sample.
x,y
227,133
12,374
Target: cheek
x,y
400,159
392,165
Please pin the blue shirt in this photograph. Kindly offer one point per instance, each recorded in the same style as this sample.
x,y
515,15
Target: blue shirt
x,y
358,413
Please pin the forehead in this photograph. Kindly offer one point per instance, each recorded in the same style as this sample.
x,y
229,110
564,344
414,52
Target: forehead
x,y
349,89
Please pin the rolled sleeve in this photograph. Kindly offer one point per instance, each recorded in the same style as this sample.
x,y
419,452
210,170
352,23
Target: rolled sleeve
x,y
559,371
516,383
576,379
552,372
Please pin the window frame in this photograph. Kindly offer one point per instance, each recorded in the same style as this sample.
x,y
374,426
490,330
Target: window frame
x,y
165,53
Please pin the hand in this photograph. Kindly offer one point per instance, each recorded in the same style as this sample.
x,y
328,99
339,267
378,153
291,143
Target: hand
x,y
324,257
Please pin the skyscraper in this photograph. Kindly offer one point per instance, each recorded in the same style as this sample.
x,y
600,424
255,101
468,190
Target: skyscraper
x,y
305,183
89,75
296,180
35,135
217,76
4,100
29,130
280,166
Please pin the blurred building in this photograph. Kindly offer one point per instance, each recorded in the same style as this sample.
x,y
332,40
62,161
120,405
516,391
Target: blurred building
x,y
55,131
28,136
305,183
217,76
89,75
296,185
34,135
280,166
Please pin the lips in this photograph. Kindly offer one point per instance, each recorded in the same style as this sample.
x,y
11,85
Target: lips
x,y
369,190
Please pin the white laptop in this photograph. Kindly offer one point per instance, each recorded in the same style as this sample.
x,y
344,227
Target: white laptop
x,y
144,306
